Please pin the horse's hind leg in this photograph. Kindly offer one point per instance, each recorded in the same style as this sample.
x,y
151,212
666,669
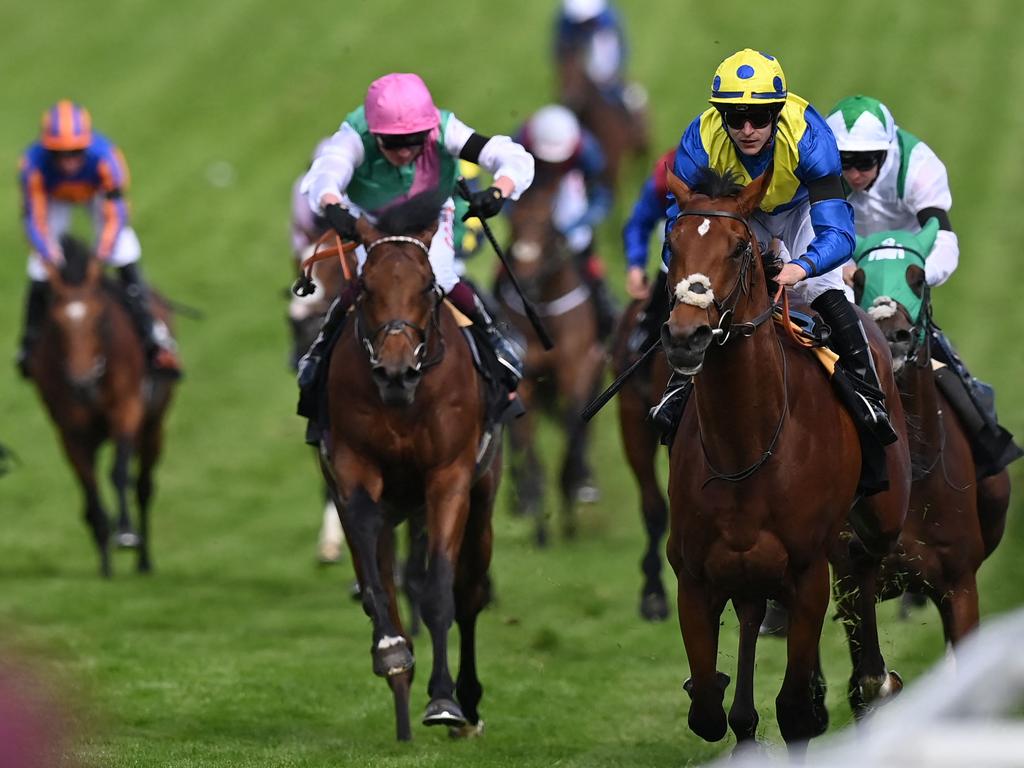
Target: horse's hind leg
x,y
799,705
743,715
993,501
149,452
958,607
527,474
81,451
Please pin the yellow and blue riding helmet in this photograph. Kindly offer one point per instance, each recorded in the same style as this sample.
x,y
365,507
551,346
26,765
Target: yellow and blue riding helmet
x,y
749,79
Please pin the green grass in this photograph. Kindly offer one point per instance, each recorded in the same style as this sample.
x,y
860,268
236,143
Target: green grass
x,y
239,651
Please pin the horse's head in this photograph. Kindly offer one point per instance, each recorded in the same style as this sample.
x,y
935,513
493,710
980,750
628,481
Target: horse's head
x,y
534,236
397,308
714,266
903,325
77,313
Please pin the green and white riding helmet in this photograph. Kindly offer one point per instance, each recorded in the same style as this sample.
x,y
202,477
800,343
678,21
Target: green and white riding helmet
x,y
862,124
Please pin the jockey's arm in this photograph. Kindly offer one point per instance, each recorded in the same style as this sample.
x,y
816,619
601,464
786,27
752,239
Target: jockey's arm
x,y
34,210
927,195
944,257
507,161
636,233
595,174
332,169
113,175
832,221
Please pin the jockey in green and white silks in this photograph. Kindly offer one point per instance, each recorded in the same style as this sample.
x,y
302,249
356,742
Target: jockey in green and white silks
x,y
756,123
896,181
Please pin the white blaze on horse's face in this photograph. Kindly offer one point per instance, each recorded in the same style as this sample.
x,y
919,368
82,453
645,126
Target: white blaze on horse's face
x,y
695,290
704,227
526,251
75,311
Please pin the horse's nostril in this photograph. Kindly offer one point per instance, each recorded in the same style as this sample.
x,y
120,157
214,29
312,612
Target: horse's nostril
x,y
412,375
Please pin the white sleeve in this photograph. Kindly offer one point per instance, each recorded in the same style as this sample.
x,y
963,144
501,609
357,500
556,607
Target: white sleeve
x,y
333,167
942,261
500,155
927,182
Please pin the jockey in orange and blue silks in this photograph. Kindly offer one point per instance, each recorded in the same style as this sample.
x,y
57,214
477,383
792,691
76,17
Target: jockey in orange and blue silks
x,y
755,122
70,166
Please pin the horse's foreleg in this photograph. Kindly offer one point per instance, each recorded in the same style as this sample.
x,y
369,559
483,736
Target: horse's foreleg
x,y
399,681
81,452
126,536
698,621
447,493
415,571
149,452
800,710
743,715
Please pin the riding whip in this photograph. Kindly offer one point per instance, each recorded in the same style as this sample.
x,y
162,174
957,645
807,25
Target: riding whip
x,y
601,400
531,313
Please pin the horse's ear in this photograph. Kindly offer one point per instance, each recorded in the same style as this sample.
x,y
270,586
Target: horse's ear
x,y
915,279
858,286
366,231
93,271
428,234
678,188
56,279
754,192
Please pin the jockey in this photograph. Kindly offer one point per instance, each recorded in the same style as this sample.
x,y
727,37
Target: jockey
x,y
755,122
396,145
72,165
650,208
569,154
896,182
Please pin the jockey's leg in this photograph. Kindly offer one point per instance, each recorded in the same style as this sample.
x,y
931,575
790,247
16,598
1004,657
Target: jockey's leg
x,y
309,363
666,414
467,302
592,271
851,344
35,312
161,349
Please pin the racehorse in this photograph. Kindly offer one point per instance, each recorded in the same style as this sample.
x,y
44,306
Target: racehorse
x,y
619,131
90,370
764,467
955,520
564,377
640,439
408,438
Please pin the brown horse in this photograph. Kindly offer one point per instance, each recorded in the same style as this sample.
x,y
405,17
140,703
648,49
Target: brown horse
x,y
408,439
954,520
90,371
641,440
619,131
564,377
763,469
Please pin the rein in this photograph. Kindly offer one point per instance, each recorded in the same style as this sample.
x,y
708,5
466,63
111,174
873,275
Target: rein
x,y
305,286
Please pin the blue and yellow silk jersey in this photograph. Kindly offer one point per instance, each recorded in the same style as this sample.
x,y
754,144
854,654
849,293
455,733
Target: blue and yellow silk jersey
x,y
104,174
650,208
803,150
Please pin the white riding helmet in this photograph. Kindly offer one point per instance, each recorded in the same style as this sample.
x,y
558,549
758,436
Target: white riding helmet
x,y
862,124
579,11
553,133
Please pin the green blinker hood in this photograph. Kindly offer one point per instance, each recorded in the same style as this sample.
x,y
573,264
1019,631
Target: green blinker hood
x,y
884,258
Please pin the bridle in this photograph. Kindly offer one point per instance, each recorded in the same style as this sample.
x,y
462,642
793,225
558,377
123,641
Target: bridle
x,y
370,339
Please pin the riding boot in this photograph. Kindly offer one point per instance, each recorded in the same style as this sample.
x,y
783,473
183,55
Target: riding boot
x,y
161,349
851,344
309,364
592,273
35,311
667,413
507,351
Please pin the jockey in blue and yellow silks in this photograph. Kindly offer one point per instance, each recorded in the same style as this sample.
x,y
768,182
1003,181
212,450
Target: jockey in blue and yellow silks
x,y
755,122
71,165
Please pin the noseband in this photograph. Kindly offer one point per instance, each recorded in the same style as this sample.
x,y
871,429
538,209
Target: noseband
x,y
372,338
726,308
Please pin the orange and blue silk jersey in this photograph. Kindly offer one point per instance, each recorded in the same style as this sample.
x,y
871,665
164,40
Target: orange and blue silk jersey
x,y
804,152
103,175
650,208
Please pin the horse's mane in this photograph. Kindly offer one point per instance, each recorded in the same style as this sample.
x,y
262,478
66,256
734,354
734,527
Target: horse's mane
x,y
413,216
714,184
76,259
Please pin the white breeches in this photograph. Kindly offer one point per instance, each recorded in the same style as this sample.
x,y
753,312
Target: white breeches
x,y
58,221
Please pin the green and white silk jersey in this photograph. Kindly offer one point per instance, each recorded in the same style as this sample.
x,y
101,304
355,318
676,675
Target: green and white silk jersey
x,y
351,165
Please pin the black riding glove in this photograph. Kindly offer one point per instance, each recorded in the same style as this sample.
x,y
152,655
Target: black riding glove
x,y
485,203
341,221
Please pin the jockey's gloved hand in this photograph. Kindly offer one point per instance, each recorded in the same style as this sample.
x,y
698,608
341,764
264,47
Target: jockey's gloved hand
x,y
341,221
485,203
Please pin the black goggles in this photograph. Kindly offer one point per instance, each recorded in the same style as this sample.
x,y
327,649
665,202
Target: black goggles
x,y
861,161
67,153
402,140
758,117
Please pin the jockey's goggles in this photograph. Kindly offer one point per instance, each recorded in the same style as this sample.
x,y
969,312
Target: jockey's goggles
x,y
402,140
758,117
67,153
861,161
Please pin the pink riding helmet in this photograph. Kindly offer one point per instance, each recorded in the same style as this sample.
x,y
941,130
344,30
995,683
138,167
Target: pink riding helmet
x,y
400,103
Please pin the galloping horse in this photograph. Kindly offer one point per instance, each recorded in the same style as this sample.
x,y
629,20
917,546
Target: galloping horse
x,y
764,466
408,439
619,131
954,520
90,371
564,377
641,440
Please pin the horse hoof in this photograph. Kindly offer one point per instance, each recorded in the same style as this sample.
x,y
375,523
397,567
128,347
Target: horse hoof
x,y
467,731
776,621
653,607
328,555
127,540
587,493
444,712
391,656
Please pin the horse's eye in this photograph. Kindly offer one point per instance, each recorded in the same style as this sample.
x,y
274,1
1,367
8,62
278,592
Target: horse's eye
x,y
740,249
